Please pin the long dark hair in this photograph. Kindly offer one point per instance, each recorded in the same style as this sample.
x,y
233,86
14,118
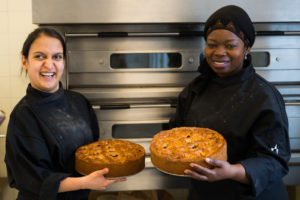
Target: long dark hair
x,y
36,34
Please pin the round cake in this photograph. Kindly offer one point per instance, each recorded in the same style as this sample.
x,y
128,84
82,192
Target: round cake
x,y
123,158
173,150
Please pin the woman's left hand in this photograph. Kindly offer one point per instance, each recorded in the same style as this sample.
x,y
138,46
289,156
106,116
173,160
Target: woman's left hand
x,y
221,170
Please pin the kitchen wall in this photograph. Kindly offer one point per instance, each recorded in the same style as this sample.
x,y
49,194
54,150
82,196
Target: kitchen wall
x,y
15,24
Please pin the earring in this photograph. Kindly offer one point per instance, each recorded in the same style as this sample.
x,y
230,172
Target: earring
x,y
245,56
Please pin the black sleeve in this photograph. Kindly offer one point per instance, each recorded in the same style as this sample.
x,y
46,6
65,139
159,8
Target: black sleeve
x,y
29,165
177,119
270,150
94,122
185,100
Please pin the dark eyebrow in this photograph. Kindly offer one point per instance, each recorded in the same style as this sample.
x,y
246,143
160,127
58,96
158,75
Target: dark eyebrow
x,y
38,52
230,40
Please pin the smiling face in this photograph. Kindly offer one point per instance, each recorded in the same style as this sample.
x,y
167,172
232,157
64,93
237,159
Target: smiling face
x,y
225,52
45,63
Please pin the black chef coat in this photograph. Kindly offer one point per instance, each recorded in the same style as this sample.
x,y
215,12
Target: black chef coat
x,y
43,133
250,113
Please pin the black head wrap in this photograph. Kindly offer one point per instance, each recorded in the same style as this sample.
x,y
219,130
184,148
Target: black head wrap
x,y
234,19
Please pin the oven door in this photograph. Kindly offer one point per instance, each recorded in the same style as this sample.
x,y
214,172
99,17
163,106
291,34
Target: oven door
x,y
131,70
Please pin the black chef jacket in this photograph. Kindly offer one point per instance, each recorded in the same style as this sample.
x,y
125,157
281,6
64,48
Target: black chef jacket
x,y
43,133
250,113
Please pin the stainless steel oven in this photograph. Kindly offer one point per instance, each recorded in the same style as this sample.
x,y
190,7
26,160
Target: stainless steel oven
x,y
131,58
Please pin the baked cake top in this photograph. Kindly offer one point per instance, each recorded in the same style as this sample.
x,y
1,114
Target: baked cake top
x,y
187,143
110,151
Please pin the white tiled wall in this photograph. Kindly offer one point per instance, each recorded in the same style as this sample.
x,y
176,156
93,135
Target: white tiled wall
x,y
15,24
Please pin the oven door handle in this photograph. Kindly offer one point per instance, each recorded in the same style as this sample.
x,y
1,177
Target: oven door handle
x,y
292,103
295,159
127,106
274,33
137,34
169,34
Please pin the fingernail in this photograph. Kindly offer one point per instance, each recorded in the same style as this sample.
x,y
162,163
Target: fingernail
x,y
208,159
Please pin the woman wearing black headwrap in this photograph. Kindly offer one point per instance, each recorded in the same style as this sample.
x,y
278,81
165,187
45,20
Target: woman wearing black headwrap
x,y
229,97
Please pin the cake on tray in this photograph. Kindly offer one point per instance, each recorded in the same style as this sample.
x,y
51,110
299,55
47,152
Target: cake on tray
x,y
173,150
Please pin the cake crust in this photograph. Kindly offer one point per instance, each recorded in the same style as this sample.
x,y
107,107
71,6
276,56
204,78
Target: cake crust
x,y
173,150
123,158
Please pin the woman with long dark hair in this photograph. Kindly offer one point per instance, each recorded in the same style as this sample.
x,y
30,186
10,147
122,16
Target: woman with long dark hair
x,y
47,126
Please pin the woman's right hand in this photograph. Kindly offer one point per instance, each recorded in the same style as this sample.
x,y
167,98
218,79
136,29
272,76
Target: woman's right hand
x,y
93,181
97,181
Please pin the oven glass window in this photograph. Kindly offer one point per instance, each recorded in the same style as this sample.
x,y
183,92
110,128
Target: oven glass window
x,y
145,60
137,130
260,59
